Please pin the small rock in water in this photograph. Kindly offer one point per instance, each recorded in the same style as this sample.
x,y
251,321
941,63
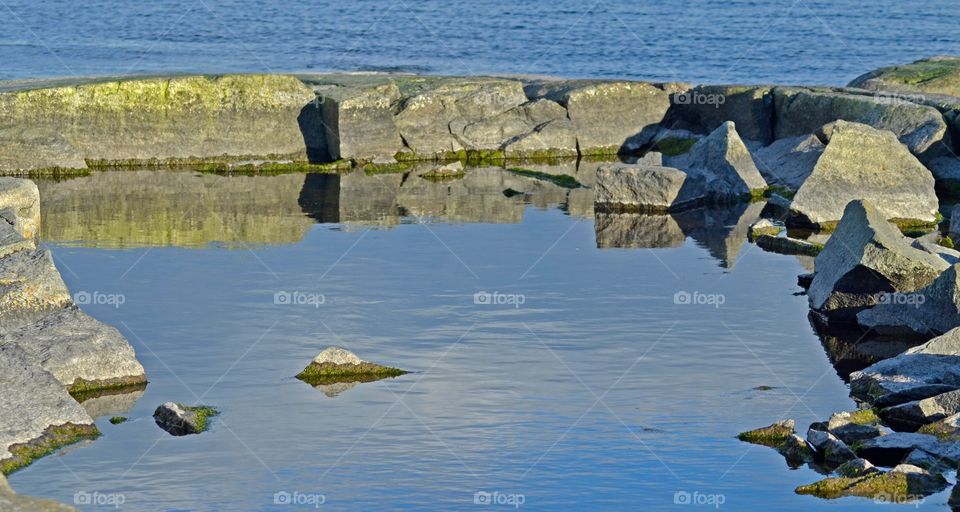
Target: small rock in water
x,y
181,420
903,483
829,449
764,227
856,426
772,436
338,365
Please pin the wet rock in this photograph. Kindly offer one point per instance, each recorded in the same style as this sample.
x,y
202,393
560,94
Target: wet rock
x,y
641,188
11,502
795,449
936,75
358,121
707,107
789,162
856,468
37,416
764,227
921,372
865,258
432,120
638,108
912,415
724,163
902,484
181,420
890,449
25,148
23,198
856,426
337,365
832,451
84,354
861,162
787,245
804,111
772,436
929,311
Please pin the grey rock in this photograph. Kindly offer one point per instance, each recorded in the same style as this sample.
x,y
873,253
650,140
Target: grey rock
x,y
921,372
724,163
29,282
929,311
23,198
536,125
12,241
946,172
926,460
432,120
338,356
804,111
951,256
553,139
829,449
866,257
33,402
181,420
789,162
358,121
79,351
933,75
856,468
795,449
638,187
890,449
787,245
609,117
25,148
861,162
913,415
764,227
842,425
709,106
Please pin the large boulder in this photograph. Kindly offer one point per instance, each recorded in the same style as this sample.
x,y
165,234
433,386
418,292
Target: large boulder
x,y
866,258
803,111
707,107
30,283
642,187
723,162
37,416
861,162
358,121
911,416
432,119
83,354
920,372
538,128
789,162
936,75
930,311
609,117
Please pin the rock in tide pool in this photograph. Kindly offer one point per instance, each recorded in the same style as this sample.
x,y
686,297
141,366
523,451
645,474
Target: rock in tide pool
x,y
763,227
724,163
181,420
772,436
902,484
852,427
865,258
337,365
861,162
37,416
625,187
789,162
787,245
920,372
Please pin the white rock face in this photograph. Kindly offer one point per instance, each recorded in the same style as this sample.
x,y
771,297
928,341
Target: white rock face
x,y
337,355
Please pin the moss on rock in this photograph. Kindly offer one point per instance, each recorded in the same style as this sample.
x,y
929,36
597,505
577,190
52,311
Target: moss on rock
x,y
562,180
772,436
328,373
53,439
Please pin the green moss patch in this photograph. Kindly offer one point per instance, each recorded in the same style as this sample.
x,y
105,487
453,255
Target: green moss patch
x,y
772,436
891,487
561,180
53,439
82,390
116,420
864,417
203,415
329,373
275,168
673,146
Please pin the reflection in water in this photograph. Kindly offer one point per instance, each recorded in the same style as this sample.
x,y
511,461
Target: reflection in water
x,y
111,405
851,350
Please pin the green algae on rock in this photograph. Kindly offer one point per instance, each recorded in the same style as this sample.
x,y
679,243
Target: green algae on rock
x,y
934,75
561,180
903,483
53,438
772,436
335,365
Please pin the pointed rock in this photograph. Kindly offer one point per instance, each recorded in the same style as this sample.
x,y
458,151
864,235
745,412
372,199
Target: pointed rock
x,y
724,163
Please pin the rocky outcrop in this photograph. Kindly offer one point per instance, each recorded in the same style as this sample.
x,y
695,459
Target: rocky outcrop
x,y
789,162
181,420
901,484
337,365
724,164
936,75
866,258
804,111
861,162
638,108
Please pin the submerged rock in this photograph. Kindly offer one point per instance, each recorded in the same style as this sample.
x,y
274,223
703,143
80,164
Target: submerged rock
x,y
645,188
861,162
772,436
789,162
724,163
920,372
37,416
338,365
181,420
865,258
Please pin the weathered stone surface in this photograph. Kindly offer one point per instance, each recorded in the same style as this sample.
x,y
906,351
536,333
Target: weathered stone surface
x,y
707,107
853,427
23,198
11,502
913,415
772,436
937,75
795,449
861,162
552,139
82,353
36,413
639,187
930,311
866,257
29,282
946,172
11,240
609,117
789,162
24,148
155,120
920,372
358,121
902,484
829,449
764,227
723,162
856,468
518,122
637,230
432,120
804,111
181,420
890,449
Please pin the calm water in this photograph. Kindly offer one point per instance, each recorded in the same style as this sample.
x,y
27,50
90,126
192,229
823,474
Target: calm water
x,y
598,392
779,41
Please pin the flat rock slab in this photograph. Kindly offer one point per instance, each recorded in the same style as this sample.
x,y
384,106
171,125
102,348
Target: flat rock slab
x,y
890,449
645,188
921,372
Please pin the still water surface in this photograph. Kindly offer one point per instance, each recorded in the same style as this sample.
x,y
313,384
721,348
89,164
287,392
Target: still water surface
x,y
598,392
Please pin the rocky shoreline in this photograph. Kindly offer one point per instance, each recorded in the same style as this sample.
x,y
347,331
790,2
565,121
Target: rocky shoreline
x,y
856,177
